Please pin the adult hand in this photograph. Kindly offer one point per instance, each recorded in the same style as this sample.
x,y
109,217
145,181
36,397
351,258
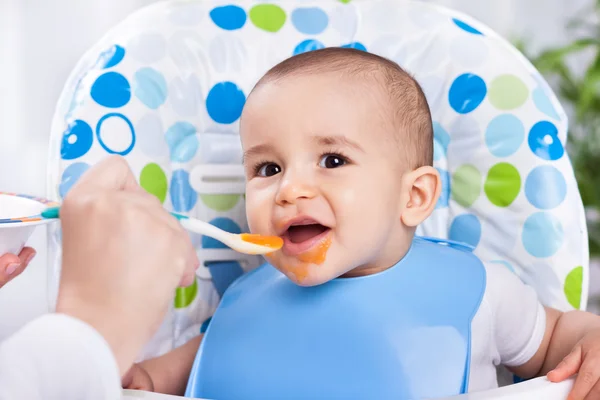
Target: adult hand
x,y
123,256
12,265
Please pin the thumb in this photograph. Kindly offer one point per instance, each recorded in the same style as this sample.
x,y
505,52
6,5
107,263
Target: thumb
x,y
10,266
127,379
112,173
567,367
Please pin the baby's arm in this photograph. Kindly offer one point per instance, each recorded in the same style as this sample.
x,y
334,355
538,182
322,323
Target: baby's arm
x,y
532,340
170,372
571,345
563,332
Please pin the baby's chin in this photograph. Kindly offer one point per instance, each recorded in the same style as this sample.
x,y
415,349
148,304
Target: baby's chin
x,y
306,274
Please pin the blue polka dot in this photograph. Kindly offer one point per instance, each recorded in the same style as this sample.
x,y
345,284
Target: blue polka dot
x,y
183,197
70,176
182,141
310,20
205,325
225,224
466,93
542,235
308,45
543,103
111,90
229,18
465,27
77,140
111,57
151,140
225,102
150,87
504,135
102,142
224,273
438,151
445,193
543,141
466,228
545,187
354,45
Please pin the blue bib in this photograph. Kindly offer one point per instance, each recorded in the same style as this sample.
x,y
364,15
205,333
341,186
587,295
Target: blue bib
x,y
403,333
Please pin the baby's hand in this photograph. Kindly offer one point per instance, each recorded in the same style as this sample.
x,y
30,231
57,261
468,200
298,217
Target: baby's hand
x,y
137,378
585,360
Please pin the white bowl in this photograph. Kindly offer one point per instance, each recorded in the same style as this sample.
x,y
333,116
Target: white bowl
x,y
19,216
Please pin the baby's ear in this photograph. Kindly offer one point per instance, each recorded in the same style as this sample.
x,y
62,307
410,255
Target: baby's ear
x,y
422,189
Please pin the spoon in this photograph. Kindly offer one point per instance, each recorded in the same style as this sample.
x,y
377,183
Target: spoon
x,y
246,243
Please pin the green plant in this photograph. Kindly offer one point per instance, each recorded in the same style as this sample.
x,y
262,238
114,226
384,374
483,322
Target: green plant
x,y
578,88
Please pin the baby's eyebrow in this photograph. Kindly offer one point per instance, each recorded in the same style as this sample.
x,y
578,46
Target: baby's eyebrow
x,y
337,140
256,151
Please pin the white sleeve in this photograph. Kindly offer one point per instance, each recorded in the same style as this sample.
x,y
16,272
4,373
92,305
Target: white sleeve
x,y
518,317
58,357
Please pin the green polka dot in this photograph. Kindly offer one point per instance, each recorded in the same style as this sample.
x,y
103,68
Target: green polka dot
x,y
466,185
185,296
268,17
508,92
220,202
154,181
503,184
573,284
345,1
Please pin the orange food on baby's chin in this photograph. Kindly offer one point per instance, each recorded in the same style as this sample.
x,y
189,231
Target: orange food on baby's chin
x,y
273,242
300,271
316,255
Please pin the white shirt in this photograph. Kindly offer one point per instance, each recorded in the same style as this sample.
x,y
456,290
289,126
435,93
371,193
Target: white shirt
x,y
507,329
57,357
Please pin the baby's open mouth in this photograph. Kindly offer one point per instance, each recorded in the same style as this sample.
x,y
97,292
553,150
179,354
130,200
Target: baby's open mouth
x,y
302,233
302,236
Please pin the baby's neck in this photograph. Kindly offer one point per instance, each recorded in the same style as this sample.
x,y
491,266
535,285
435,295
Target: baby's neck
x,y
385,261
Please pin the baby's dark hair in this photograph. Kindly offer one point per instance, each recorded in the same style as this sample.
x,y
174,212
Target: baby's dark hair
x,y
408,105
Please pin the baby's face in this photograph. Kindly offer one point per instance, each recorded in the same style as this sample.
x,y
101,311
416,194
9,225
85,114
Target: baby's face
x,y
324,173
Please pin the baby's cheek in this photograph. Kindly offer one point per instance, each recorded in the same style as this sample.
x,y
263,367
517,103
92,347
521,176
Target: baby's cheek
x,y
258,214
256,219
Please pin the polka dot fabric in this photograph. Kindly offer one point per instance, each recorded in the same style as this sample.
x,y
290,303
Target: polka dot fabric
x,y
167,86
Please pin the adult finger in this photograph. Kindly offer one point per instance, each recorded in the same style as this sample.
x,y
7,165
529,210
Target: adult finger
x,y
112,173
586,379
12,265
567,367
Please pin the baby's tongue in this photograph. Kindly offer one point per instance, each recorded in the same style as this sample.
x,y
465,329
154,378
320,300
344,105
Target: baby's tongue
x,y
301,233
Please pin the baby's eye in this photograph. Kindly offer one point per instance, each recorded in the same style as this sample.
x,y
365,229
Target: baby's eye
x,y
269,169
332,161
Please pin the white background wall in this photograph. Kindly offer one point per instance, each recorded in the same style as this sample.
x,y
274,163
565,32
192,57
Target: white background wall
x,y
40,42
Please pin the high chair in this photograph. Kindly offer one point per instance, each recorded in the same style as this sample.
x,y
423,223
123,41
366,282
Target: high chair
x,y
165,89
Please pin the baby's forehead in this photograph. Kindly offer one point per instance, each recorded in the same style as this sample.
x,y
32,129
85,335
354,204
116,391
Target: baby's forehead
x,y
328,101
366,90
323,105
319,88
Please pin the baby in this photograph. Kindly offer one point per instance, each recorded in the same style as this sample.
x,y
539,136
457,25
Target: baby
x,y
338,150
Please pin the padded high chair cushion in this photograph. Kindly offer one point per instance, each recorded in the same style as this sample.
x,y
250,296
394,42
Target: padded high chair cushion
x,y
168,84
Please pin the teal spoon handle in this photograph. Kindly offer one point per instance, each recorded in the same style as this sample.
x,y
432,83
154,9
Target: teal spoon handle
x,y
54,213
51,213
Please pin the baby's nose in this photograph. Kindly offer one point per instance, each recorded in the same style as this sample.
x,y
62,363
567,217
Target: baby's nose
x,y
293,189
